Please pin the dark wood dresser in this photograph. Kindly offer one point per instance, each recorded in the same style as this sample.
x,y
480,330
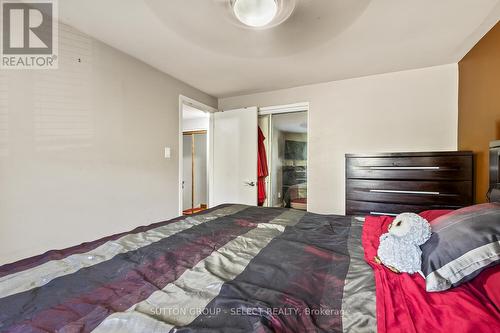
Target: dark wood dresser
x,y
393,183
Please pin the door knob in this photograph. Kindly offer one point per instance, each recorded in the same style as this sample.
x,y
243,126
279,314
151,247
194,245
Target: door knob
x,y
250,183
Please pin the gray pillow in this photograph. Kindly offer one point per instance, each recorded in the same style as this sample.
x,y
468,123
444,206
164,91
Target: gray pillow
x,y
463,243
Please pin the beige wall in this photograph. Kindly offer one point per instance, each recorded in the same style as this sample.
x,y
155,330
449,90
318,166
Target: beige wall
x,y
81,148
405,111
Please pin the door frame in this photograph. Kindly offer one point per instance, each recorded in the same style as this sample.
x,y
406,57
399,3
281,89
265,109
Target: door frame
x,y
287,108
184,100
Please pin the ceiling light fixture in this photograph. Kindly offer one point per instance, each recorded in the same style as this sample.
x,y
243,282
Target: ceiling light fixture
x,y
255,13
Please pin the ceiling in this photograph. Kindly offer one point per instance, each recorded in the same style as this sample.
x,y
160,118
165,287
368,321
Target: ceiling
x,y
295,122
200,43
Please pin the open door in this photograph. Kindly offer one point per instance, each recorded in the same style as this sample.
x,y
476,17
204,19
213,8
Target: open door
x,y
234,157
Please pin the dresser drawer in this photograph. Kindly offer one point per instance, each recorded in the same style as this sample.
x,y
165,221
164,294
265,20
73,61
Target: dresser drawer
x,y
393,183
410,167
363,208
410,192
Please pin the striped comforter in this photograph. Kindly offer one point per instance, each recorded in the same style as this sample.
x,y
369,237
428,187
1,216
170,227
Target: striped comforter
x,y
233,268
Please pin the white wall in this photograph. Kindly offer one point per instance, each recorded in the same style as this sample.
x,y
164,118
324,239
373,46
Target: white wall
x,y
81,148
405,111
195,124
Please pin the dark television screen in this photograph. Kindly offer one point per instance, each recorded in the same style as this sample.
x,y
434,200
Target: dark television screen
x,y
494,163
295,150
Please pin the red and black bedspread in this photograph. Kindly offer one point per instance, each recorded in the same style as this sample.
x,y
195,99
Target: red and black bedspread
x,y
233,268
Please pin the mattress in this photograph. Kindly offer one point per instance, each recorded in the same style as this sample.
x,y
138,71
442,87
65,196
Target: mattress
x,y
232,268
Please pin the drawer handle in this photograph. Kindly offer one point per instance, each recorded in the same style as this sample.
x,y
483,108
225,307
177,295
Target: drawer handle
x,y
406,192
385,214
404,168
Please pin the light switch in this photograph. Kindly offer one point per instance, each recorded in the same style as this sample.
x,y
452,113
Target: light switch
x,y
167,152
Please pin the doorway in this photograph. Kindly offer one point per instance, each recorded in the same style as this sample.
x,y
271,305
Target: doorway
x,y
194,156
286,132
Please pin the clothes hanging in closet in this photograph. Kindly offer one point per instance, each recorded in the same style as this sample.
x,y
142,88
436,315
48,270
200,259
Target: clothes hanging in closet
x,y
262,171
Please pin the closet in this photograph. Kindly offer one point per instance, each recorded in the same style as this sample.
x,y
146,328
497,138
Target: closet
x,y
194,171
285,144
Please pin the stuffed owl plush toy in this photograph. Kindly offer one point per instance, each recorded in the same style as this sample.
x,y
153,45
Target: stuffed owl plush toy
x,y
399,248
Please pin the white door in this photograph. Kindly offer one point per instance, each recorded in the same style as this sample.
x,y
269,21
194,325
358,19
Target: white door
x,y
234,166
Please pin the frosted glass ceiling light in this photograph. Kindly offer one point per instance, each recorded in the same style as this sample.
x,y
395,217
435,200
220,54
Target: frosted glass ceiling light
x,y
255,13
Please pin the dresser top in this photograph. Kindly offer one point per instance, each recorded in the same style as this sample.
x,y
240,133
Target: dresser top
x,y
414,154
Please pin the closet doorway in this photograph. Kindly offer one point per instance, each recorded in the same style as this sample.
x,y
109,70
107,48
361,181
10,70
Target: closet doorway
x,y
195,192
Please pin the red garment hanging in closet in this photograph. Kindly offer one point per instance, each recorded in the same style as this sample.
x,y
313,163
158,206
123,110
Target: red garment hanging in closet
x,y
262,171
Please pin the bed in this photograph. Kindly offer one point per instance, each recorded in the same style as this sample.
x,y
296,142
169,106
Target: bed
x,y
237,268
232,268
296,196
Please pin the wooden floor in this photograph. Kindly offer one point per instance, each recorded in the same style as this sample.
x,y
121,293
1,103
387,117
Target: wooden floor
x,y
194,210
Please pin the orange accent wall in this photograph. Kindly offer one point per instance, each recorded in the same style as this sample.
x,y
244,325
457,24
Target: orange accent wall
x,y
479,104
